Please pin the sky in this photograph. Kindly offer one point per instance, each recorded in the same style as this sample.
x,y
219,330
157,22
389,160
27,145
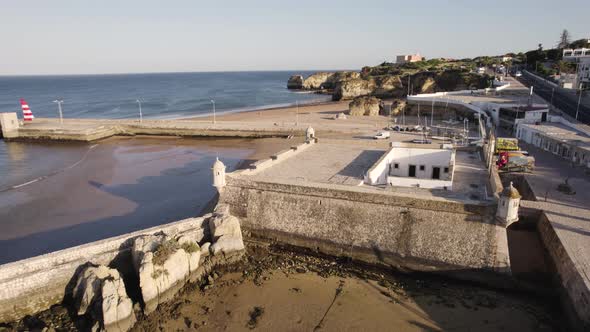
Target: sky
x,y
133,36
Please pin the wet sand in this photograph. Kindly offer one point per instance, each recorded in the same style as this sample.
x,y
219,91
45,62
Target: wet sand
x,y
287,291
275,288
116,186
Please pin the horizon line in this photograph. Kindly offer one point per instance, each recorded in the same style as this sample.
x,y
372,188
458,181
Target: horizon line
x,y
177,72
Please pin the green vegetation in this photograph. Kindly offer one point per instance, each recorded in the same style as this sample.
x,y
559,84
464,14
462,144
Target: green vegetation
x,y
432,65
158,272
190,247
164,251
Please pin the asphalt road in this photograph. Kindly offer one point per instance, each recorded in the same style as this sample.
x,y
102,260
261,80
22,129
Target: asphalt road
x,y
566,101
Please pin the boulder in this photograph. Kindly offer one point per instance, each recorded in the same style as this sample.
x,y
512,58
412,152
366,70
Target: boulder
x,y
388,86
397,107
339,77
205,249
225,232
100,292
316,81
364,106
353,88
161,262
295,82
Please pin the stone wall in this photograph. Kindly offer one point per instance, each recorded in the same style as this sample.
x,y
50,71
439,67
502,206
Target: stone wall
x,y
574,294
459,239
8,125
32,285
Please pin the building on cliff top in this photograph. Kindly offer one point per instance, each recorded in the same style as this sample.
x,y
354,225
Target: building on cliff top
x,y
409,58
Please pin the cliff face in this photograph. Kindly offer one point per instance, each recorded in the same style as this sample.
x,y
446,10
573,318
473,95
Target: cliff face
x,y
323,80
391,82
315,81
364,106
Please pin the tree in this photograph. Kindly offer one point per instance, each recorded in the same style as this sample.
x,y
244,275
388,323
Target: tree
x,y
564,39
565,67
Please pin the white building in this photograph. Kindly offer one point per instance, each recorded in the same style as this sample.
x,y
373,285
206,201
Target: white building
x,y
581,56
558,137
414,166
507,115
409,58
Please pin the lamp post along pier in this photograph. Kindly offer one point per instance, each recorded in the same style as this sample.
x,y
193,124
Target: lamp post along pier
x,y
140,114
59,102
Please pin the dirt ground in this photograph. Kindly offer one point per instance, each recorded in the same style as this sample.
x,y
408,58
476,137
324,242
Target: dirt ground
x,y
275,289
278,289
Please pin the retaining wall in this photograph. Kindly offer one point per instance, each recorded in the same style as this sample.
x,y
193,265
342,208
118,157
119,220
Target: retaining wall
x,y
575,294
409,233
32,285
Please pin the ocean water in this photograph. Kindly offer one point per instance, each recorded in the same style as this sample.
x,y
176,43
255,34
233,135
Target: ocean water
x,y
54,194
163,96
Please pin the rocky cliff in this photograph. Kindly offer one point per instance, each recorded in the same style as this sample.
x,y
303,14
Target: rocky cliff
x,y
369,106
392,81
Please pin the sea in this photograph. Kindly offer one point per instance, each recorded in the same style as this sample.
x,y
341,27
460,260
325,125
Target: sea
x,y
55,195
162,96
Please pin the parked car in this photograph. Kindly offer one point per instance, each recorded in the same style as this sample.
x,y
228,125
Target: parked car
x,y
382,135
518,74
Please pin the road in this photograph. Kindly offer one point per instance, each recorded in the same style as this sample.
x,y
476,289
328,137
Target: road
x,y
563,99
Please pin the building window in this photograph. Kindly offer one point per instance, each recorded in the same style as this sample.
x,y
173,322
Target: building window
x,y
446,170
396,165
422,167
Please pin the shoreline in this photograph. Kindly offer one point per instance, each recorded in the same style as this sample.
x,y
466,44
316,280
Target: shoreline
x,y
266,108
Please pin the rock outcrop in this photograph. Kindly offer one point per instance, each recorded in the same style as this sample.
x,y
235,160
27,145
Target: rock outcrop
x,y
295,82
100,293
161,262
397,107
225,231
353,88
316,81
164,260
325,80
364,106
393,81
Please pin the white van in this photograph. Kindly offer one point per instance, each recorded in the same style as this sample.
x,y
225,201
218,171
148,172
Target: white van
x,y
382,135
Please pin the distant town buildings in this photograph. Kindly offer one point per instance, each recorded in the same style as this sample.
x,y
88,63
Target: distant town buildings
x,y
409,58
504,58
580,56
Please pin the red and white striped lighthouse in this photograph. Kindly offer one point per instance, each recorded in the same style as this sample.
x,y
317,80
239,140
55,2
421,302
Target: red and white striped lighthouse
x,y
27,114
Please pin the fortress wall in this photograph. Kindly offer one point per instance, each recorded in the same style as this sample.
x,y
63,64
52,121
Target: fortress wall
x,y
410,233
575,291
35,284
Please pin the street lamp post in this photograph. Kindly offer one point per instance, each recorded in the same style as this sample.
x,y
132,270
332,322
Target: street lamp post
x,y
140,115
432,113
213,102
59,102
297,112
579,100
